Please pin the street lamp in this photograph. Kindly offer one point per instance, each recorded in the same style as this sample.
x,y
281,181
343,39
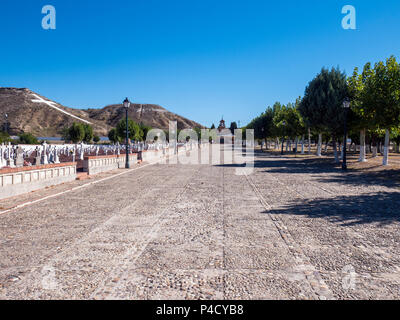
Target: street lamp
x,y
126,106
346,106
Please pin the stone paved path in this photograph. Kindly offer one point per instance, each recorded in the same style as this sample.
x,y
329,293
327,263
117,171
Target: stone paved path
x,y
294,229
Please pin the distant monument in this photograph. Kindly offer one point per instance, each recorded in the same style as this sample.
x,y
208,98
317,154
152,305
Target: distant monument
x,y
221,125
224,133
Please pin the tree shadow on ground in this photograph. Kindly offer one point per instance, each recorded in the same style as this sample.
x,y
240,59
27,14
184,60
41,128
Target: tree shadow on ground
x,y
320,167
385,178
381,208
296,165
323,170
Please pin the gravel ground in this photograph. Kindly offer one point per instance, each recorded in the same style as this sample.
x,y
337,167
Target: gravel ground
x,y
294,229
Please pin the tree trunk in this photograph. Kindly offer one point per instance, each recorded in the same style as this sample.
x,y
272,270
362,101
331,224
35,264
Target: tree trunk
x,y
362,146
374,151
297,142
319,145
335,152
302,144
309,141
386,148
374,147
326,146
342,151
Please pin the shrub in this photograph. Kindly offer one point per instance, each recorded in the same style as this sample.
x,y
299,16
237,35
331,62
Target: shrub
x,y
4,137
27,138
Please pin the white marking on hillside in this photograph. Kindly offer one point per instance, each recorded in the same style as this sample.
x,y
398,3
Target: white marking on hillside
x,y
52,104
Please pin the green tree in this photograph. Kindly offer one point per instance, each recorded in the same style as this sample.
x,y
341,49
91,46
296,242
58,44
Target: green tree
x,y
88,133
27,138
233,127
360,120
113,136
4,137
96,139
145,129
295,126
76,132
381,98
281,127
198,131
65,134
212,126
264,126
321,106
274,130
135,133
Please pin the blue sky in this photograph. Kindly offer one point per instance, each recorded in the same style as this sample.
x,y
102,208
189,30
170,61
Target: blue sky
x,y
201,59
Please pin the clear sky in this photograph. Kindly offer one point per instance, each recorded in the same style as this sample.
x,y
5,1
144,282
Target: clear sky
x,y
200,59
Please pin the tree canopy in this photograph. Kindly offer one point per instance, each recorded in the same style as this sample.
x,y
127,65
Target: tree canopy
x,y
27,138
321,106
76,133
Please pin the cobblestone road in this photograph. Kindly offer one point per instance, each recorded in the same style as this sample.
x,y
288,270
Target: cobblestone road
x,y
294,229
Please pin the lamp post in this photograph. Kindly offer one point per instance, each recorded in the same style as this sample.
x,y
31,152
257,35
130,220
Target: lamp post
x,y
346,106
126,106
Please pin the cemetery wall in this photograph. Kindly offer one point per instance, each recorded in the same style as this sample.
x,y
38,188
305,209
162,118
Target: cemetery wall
x,y
150,155
97,164
15,181
24,179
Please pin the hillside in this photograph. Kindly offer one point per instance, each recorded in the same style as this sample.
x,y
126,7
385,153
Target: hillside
x,y
30,112
150,114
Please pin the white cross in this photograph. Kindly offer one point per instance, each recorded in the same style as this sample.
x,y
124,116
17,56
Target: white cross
x,y
52,105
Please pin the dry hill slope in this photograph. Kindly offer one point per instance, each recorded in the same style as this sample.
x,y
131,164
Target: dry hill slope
x,y
48,118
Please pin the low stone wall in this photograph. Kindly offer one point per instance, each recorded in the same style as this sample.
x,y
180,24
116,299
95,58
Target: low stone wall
x,y
133,159
97,164
15,181
152,155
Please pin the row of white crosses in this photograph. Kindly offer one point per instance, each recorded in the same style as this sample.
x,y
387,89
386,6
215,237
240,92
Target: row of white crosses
x,y
46,153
